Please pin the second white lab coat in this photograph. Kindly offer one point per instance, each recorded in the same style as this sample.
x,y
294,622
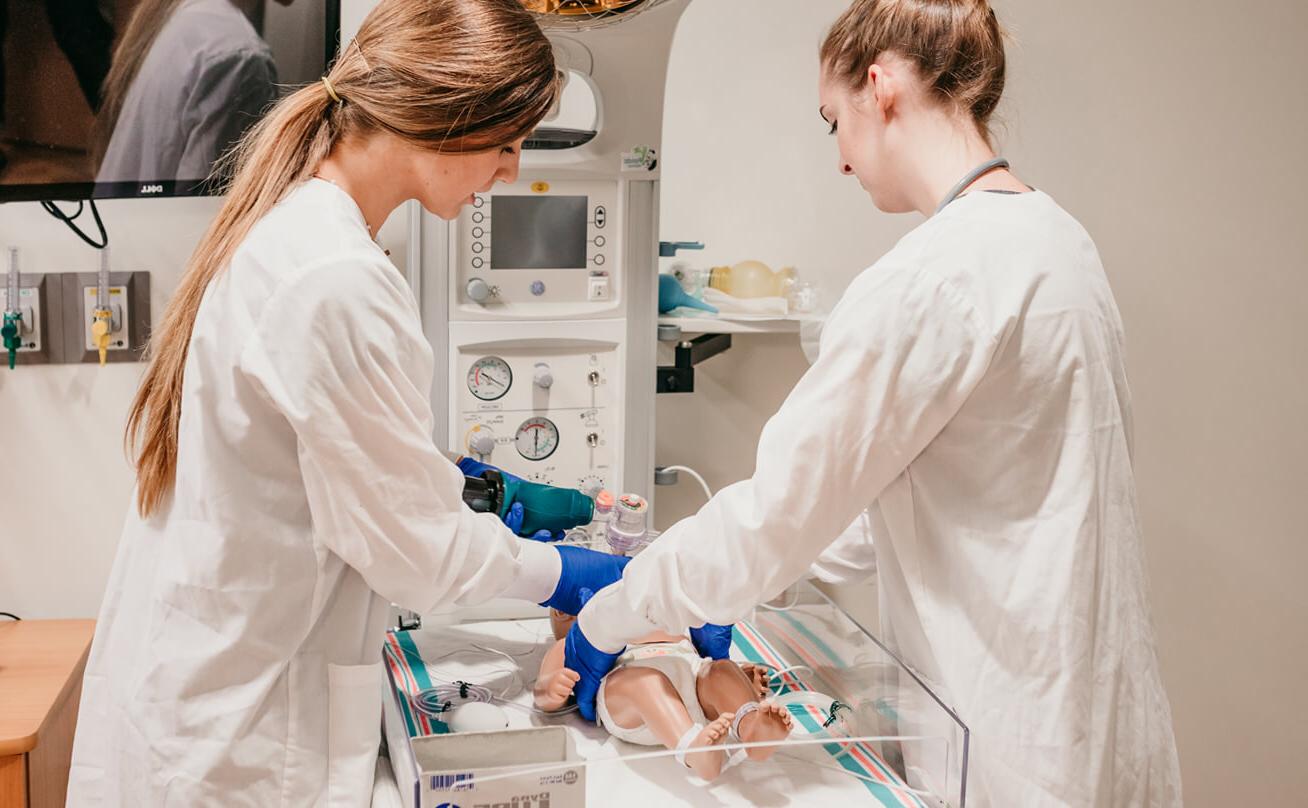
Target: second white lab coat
x,y
970,394
237,659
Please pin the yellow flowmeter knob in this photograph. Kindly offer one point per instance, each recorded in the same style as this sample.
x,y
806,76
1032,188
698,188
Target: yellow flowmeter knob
x,y
100,332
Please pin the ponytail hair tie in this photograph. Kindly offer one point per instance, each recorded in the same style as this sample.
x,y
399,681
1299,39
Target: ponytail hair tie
x,y
332,91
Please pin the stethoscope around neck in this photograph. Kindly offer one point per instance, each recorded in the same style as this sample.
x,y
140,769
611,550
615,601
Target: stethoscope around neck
x,y
972,176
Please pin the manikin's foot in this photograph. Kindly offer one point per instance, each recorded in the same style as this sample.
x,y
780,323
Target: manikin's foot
x,y
709,764
770,722
553,694
758,676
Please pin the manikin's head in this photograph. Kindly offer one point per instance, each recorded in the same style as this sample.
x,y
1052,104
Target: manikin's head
x,y
893,69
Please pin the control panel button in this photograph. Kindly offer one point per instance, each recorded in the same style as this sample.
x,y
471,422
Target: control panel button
x,y
601,217
598,260
599,241
478,217
478,201
537,288
477,246
477,262
477,232
478,290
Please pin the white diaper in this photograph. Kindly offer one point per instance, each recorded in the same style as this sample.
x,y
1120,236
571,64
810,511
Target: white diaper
x,y
680,662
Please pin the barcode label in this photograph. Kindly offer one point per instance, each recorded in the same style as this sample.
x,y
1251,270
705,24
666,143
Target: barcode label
x,y
451,782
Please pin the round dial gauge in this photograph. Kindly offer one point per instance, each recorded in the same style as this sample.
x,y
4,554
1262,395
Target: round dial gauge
x,y
537,438
489,378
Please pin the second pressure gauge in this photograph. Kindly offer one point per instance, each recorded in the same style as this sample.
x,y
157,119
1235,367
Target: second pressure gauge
x,y
489,378
537,438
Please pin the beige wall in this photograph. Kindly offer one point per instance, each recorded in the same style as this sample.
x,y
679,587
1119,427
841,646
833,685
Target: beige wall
x,y
1172,129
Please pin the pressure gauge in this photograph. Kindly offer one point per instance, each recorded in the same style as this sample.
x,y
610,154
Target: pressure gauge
x,y
489,378
537,438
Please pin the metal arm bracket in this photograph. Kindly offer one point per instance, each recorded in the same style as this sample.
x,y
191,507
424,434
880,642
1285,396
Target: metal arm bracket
x,y
680,377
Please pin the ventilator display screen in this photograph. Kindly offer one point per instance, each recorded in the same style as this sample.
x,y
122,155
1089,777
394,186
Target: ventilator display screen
x,y
538,232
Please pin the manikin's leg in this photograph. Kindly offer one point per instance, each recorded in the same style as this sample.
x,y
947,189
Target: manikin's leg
x,y
636,695
723,687
560,622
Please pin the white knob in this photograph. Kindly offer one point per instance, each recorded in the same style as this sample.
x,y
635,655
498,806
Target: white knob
x,y
482,443
479,290
544,378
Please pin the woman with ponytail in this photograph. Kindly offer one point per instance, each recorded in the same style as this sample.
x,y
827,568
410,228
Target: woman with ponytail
x,y
288,489
964,436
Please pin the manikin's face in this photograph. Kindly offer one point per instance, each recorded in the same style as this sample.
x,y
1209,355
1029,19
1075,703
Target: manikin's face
x,y
446,182
865,135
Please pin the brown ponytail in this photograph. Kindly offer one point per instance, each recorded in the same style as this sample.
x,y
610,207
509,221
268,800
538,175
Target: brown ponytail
x,y
451,75
956,45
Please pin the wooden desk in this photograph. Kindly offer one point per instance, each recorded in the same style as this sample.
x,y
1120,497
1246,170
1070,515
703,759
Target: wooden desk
x,y
41,665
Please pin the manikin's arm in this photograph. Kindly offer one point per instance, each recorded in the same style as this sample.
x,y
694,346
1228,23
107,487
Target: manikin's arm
x,y
554,684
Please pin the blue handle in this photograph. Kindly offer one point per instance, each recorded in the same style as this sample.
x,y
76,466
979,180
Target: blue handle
x,y
668,249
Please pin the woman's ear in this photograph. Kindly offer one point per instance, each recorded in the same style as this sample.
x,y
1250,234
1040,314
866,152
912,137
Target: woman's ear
x,y
881,91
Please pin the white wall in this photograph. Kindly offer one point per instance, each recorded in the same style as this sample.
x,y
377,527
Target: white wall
x,y
1172,129
65,481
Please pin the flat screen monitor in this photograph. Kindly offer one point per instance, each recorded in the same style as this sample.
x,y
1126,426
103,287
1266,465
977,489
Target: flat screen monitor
x,y
129,98
538,232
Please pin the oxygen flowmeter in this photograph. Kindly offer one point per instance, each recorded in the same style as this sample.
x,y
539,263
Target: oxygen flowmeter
x,y
103,324
12,330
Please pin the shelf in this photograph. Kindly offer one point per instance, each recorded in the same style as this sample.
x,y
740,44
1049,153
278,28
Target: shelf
x,y
716,325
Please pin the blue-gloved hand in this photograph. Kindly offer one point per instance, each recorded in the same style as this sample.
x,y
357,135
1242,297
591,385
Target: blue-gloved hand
x,y
583,570
588,661
474,468
513,521
712,641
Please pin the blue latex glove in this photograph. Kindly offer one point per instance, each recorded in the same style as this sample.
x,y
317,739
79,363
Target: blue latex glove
x,y
474,468
583,571
514,517
712,641
589,662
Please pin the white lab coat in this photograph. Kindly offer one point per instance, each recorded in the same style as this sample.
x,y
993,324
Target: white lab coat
x,y
237,656
971,389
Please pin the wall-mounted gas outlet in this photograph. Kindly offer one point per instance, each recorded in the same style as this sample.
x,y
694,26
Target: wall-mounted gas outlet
x,y
128,304
39,328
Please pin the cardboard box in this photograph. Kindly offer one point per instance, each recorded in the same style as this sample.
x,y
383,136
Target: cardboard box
x,y
452,770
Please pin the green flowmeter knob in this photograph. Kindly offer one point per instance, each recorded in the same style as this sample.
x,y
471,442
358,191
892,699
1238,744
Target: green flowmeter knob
x,y
10,333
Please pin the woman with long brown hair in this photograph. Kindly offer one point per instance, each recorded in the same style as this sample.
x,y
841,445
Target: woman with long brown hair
x,y
288,488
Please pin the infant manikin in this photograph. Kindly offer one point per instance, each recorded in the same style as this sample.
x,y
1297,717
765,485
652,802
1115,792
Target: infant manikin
x,y
662,692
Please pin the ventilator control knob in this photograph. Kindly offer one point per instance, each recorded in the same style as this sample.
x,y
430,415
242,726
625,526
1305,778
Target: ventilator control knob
x,y
482,443
544,377
478,290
